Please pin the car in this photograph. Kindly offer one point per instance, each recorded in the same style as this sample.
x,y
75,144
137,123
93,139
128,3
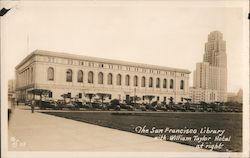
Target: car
x,y
71,106
115,107
27,102
192,109
96,105
130,108
143,108
163,108
43,105
78,104
150,107
127,107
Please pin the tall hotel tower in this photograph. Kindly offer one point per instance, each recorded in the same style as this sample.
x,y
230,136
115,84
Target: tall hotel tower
x,y
210,76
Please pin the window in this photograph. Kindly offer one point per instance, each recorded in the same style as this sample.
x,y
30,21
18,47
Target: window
x,y
150,82
80,76
165,83
143,82
158,98
119,79
100,78
50,94
31,74
165,98
50,74
110,79
158,83
171,84
135,81
127,80
69,95
80,95
90,77
69,75
182,85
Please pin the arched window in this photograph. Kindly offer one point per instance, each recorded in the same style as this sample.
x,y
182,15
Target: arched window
x,y
69,75
50,73
80,76
90,77
100,78
171,84
150,82
127,80
165,83
143,82
158,83
110,79
135,81
119,79
31,74
182,85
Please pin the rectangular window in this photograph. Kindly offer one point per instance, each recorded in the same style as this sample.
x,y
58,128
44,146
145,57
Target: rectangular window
x,y
80,95
158,98
165,98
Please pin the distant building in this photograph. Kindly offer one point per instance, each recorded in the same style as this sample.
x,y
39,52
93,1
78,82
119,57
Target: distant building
x,y
210,76
11,89
235,97
77,75
206,95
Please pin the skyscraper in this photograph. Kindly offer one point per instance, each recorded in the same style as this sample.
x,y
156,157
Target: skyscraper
x,y
211,74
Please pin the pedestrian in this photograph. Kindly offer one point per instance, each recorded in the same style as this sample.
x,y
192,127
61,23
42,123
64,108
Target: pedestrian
x,y
32,106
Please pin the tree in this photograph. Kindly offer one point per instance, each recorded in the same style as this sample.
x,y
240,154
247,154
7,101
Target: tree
x,y
90,96
149,98
64,96
39,92
103,96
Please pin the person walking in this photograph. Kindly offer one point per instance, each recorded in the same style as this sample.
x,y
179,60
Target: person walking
x,y
32,106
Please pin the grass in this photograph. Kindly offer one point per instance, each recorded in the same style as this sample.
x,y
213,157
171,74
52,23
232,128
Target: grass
x,y
231,122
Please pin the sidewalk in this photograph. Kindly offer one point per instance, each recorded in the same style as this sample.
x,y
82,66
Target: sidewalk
x,y
41,132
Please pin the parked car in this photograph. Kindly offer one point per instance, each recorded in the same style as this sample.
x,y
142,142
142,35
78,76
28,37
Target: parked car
x,y
27,102
115,107
47,105
87,106
150,107
96,105
71,106
192,109
143,108
163,108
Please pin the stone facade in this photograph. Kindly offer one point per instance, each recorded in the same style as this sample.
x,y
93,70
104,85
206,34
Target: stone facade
x,y
211,74
66,73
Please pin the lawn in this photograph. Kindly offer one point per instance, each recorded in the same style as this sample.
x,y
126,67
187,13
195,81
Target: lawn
x,y
128,121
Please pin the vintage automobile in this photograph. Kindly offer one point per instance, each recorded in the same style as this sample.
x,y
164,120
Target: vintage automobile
x,y
43,105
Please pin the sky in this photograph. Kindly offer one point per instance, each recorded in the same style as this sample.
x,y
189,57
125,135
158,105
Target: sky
x,y
159,34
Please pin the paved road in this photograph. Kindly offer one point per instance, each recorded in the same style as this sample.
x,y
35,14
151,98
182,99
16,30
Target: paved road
x,y
41,132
